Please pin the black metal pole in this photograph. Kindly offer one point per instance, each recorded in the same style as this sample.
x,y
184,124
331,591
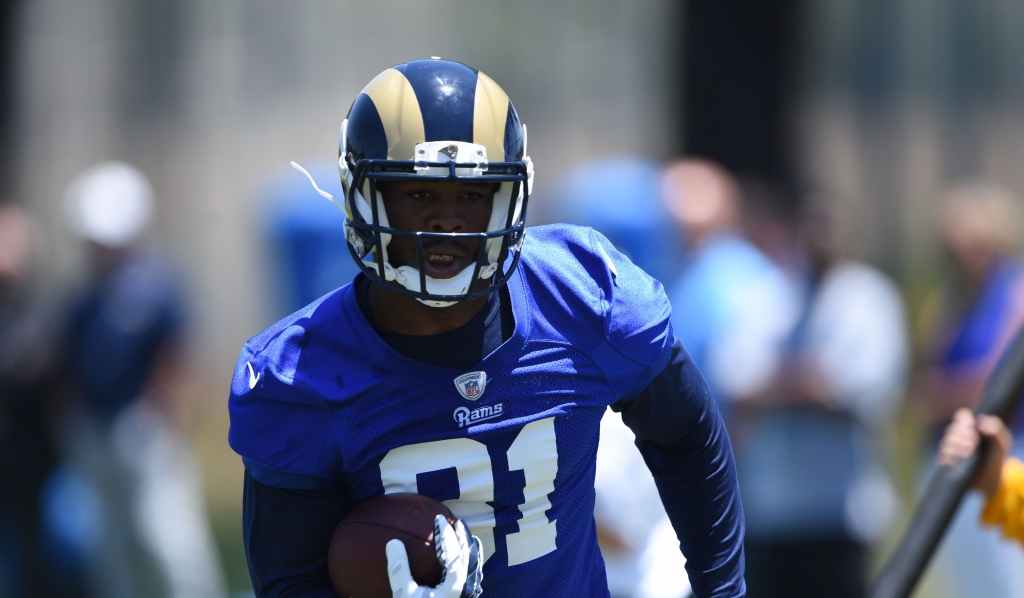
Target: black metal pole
x,y
946,489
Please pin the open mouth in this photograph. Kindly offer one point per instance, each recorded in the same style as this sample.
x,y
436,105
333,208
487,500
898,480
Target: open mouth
x,y
442,265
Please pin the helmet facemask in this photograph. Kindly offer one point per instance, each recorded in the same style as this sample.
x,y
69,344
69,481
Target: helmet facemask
x,y
368,231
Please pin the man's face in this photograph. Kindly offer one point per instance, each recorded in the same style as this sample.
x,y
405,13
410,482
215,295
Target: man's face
x,y
438,207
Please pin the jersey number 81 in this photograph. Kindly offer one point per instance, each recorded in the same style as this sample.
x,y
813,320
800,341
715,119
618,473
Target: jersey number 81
x,y
534,451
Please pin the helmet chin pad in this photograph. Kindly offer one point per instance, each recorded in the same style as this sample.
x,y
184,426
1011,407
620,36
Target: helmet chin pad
x,y
409,277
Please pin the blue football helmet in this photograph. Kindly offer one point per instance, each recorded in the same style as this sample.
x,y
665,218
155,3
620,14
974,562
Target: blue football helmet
x,y
434,119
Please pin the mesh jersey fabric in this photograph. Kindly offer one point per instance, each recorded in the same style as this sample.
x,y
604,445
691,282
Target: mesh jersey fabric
x,y
320,396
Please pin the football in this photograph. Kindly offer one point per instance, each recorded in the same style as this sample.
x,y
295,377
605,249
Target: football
x,y
356,558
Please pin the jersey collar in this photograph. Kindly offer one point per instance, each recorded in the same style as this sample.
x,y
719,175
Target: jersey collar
x,y
495,363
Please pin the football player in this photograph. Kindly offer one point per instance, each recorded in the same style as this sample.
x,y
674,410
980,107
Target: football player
x,y
471,361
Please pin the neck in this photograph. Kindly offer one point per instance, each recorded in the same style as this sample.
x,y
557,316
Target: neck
x,y
404,314
820,265
976,271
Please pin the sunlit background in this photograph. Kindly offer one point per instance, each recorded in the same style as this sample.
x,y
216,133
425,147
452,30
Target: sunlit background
x,y
878,104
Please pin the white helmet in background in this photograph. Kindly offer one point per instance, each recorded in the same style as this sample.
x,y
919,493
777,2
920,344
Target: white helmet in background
x,y
109,203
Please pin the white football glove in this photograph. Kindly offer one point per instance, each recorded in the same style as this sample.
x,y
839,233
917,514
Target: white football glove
x,y
461,558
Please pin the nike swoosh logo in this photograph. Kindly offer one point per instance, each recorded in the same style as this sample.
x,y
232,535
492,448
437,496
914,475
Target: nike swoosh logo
x,y
253,377
608,261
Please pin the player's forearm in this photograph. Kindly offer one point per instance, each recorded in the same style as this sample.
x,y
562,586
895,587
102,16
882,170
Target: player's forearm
x,y
286,534
701,496
297,588
684,443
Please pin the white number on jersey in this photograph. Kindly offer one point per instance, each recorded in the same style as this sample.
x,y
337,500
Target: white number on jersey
x,y
534,451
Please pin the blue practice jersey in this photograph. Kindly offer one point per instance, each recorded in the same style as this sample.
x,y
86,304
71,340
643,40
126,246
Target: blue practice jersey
x,y
510,446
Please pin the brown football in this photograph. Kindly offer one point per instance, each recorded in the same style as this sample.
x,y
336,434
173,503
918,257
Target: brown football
x,y
356,558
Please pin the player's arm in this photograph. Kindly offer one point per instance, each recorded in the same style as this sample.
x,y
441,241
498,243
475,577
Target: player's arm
x,y
1001,479
667,404
292,500
684,442
287,533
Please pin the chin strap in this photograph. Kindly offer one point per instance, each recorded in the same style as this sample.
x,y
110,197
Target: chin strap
x,y
318,189
350,235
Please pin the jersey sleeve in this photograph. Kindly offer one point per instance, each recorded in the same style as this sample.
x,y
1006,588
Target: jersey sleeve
x,y
638,336
287,534
683,440
279,425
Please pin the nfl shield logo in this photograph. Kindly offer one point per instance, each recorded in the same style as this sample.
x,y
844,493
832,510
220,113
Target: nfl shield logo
x,y
471,386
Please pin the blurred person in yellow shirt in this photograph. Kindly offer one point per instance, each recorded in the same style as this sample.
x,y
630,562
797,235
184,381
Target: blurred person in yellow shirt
x,y
1001,479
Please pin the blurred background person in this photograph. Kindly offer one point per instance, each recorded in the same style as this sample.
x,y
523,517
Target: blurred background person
x,y
123,442
999,478
637,541
973,317
27,451
732,307
969,321
809,444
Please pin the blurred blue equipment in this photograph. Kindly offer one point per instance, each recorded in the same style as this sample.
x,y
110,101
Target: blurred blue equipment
x,y
621,197
305,236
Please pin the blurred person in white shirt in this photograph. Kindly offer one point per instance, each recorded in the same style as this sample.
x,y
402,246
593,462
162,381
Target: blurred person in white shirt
x,y
149,530
810,455
638,544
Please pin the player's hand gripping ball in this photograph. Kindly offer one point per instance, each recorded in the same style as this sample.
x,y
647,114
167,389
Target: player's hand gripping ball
x,y
404,546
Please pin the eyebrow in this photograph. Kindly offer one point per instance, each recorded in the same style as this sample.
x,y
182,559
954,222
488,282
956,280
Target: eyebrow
x,y
388,186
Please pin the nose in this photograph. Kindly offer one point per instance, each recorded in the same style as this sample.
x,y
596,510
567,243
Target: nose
x,y
446,217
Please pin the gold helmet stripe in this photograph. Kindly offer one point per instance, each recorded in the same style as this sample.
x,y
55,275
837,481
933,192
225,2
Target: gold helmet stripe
x,y
399,112
489,115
